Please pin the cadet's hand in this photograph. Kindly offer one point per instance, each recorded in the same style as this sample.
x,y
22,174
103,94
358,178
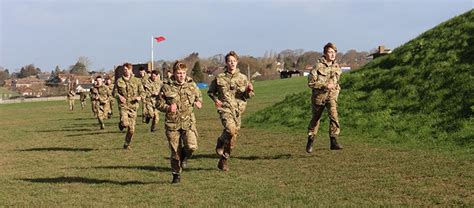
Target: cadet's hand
x,y
218,103
250,87
138,98
331,86
173,108
198,104
122,99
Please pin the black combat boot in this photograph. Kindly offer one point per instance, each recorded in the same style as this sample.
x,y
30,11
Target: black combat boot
x,y
334,144
309,145
176,178
222,164
121,127
219,147
184,159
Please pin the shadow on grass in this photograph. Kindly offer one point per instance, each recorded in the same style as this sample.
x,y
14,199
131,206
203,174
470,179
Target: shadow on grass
x,y
64,130
81,125
84,181
151,168
97,132
65,149
276,157
214,156
76,119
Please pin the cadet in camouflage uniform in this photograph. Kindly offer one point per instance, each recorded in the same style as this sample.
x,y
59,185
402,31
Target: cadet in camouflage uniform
x,y
70,98
110,87
152,90
144,79
82,98
229,91
93,102
129,93
177,99
324,83
100,94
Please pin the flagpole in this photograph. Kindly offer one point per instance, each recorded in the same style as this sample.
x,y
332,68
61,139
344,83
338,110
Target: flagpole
x,y
152,53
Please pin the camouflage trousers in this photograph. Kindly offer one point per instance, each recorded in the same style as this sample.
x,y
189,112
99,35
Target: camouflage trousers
x,y
317,111
128,120
94,107
150,112
182,143
143,111
231,123
102,112
111,106
71,104
83,104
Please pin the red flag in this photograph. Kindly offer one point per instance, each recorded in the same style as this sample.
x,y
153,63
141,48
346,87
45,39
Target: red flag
x,y
159,39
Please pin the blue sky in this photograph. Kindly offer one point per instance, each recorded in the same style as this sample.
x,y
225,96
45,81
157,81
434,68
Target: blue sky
x,y
56,32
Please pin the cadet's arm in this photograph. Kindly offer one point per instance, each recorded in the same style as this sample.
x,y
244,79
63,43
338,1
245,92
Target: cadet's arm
x,y
314,82
198,99
161,102
249,92
212,92
141,92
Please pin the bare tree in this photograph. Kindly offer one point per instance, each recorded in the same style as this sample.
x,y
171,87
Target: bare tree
x,y
85,61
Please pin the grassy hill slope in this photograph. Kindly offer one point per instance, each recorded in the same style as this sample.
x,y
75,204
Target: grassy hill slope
x,y
421,93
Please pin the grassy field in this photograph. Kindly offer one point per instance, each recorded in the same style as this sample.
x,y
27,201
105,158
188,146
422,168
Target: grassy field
x,y
5,93
53,157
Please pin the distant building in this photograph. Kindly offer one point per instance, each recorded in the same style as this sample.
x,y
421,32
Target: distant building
x,y
85,87
382,51
71,80
29,86
345,68
44,76
33,91
26,82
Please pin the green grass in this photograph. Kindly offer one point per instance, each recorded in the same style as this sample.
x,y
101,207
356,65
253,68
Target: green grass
x,y
5,93
53,157
419,96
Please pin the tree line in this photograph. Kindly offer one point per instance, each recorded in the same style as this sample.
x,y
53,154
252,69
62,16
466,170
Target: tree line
x,y
267,66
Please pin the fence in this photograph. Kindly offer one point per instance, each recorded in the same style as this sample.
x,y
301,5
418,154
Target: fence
x,y
26,100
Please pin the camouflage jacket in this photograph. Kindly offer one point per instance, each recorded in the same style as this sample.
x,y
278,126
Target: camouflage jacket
x,y
100,93
71,94
231,90
183,95
111,90
152,89
318,79
144,79
129,89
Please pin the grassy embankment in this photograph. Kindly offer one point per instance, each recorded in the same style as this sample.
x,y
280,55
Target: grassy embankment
x,y
420,96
